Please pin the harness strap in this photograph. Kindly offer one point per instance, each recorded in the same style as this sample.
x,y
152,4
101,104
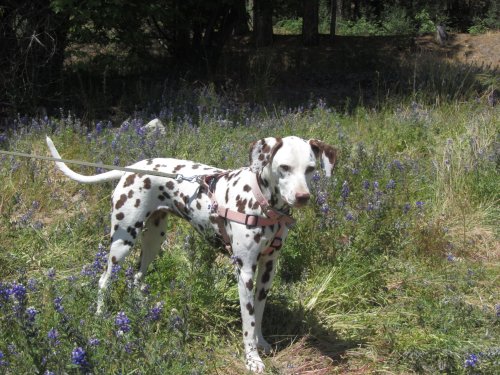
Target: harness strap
x,y
272,216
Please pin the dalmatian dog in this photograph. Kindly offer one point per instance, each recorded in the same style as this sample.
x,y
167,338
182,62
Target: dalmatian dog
x,y
247,209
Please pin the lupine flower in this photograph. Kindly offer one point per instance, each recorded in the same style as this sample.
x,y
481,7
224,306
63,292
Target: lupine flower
x,y
2,361
32,284
19,292
419,204
497,309
53,336
51,273
12,349
48,372
349,216
123,323
321,198
57,305
406,208
154,313
316,176
345,190
79,357
366,184
31,314
93,341
471,361
129,347
325,208
375,184
391,184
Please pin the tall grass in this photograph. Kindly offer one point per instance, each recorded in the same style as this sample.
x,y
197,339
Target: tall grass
x,y
393,267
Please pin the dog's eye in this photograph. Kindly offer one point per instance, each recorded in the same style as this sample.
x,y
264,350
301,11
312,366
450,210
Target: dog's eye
x,y
310,169
285,168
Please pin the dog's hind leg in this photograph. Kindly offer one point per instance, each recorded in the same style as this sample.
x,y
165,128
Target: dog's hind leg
x,y
152,238
120,248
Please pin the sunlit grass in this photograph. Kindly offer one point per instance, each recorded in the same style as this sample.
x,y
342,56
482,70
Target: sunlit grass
x,y
393,267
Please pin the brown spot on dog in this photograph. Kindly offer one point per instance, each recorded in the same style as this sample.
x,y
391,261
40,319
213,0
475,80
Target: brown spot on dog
x,y
267,274
120,202
257,237
250,308
161,197
241,205
147,183
179,167
129,180
195,166
130,194
120,216
113,260
246,333
162,234
249,284
262,294
254,267
252,324
227,195
137,203
138,224
198,205
170,185
247,188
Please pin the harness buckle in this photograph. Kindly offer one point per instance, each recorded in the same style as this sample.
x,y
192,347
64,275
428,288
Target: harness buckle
x,y
251,220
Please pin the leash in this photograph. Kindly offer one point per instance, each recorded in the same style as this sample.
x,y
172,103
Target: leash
x,y
176,176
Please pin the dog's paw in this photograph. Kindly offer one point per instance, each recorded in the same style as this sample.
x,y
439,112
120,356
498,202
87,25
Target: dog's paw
x,y
255,364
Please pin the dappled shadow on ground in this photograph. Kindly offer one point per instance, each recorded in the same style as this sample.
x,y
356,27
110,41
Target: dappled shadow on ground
x,y
302,345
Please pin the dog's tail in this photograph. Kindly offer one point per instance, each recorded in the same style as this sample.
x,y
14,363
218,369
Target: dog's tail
x,y
107,176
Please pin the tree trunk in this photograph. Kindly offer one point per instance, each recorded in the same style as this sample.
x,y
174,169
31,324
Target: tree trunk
x,y
333,18
263,22
241,23
310,22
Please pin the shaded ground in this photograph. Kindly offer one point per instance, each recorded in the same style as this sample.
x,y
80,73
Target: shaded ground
x,y
348,69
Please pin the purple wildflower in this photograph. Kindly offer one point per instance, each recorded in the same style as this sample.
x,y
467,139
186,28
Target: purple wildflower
x,y
471,361
79,357
420,205
321,198
51,273
53,336
93,341
154,313
123,323
375,185
32,283
129,347
349,216
2,361
19,292
325,208
12,349
345,190
57,305
48,372
316,177
31,314
391,184
366,184
406,208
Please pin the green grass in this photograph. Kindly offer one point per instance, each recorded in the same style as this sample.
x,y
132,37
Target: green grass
x,y
393,267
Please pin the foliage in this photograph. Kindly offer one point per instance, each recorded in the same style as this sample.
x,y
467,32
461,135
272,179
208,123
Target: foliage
x,y
396,257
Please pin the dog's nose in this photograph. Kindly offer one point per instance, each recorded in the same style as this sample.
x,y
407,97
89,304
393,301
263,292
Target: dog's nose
x,y
302,198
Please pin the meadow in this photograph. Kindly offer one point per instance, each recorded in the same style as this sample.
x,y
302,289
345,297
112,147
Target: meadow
x,y
393,267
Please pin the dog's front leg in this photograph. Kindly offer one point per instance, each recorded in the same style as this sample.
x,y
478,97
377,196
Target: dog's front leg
x,y
245,274
265,276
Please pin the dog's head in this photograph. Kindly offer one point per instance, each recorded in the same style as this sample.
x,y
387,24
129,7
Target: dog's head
x,y
288,164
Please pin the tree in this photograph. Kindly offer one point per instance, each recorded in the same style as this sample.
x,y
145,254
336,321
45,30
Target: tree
x,y
263,22
310,22
333,18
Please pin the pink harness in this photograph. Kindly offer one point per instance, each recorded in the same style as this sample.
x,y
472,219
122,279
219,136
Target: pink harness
x,y
272,217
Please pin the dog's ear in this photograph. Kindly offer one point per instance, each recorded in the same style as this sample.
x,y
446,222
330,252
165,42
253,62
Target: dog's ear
x,y
262,152
326,154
